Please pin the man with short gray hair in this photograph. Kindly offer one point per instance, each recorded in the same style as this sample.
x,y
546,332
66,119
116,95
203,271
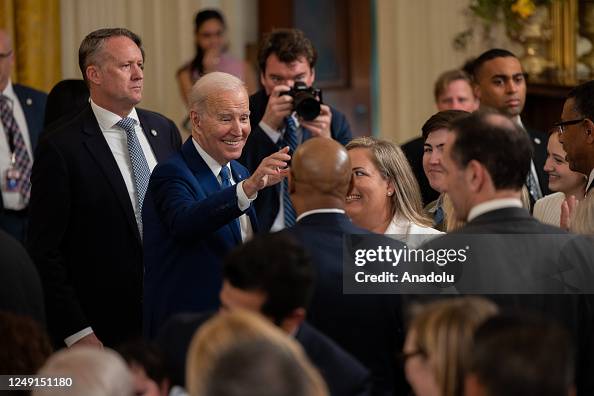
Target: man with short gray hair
x,y
89,182
86,371
199,203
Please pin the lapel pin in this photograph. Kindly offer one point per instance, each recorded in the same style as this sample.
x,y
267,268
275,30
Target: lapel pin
x,y
153,132
29,101
537,140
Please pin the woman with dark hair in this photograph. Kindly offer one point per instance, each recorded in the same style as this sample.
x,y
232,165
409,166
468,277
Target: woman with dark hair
x,y
211,54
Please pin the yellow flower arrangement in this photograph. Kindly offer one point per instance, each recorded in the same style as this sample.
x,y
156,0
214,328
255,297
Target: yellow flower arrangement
x,y
524,8
511,13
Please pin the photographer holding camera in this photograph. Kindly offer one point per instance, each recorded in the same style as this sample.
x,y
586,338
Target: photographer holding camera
x,y
284,114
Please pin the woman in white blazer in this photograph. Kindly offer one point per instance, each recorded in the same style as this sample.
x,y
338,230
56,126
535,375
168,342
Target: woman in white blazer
x,y
385,197
562,180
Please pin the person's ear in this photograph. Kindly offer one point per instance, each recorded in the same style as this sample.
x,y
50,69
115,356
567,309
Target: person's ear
x,y
589,126
477,91
476,175
93,74
195,119
293,320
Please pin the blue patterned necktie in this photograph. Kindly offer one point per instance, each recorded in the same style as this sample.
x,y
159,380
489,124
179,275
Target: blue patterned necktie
x,y
290,139
140,169
226,182
22,160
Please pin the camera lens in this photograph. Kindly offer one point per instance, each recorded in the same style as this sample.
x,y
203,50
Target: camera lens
x,y
308,108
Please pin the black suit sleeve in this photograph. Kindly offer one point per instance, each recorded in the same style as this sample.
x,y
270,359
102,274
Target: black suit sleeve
x,y
50,207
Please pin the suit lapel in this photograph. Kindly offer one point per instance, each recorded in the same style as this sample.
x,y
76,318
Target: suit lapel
x,y
208,182
152,135
100,151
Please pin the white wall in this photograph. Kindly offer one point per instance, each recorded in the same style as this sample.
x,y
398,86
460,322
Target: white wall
x,y
166,28
414,47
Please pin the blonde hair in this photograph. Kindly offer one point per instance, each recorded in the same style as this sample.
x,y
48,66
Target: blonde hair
x,y
228,328
450,219
391,162
444,330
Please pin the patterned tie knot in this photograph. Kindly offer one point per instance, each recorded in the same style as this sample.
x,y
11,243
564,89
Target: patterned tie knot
x,y
225,176
127,124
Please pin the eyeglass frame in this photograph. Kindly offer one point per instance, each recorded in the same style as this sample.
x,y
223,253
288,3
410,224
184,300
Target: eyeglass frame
x,y
562,124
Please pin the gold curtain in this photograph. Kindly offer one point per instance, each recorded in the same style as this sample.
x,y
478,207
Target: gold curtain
x,y
35,28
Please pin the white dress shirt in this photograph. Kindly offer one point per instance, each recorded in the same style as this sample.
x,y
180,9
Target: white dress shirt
x,y
410,233
118,144
275,136
13,199
243,201
317,211
492,205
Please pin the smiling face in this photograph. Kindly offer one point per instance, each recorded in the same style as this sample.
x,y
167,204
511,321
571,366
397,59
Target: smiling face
x,y
369,203
223,128
561,178
116,80
433,158
501,85
280,73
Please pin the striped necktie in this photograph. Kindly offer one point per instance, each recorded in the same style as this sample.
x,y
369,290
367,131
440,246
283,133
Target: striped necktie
x,y
140,169
290,139
20,161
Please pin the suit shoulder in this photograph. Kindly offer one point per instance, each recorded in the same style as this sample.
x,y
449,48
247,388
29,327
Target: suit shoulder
x,y
153,116
25,90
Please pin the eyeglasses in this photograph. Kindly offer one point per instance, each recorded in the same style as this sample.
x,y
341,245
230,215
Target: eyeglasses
x,y
562,124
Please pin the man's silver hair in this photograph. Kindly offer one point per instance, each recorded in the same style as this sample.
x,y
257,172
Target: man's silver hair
x,y
212,84
94,372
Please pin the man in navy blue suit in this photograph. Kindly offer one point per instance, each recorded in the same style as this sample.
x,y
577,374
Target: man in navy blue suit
x,y
367,326
285,57
271,274
89,179
22,110
199,203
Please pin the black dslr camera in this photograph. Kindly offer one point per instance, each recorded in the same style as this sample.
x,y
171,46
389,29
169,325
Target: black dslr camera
x,y
306,100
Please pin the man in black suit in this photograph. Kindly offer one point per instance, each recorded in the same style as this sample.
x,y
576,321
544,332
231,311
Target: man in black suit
x,y
271,274
21,112
367,326
515,270
500,84
285,57
89,181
